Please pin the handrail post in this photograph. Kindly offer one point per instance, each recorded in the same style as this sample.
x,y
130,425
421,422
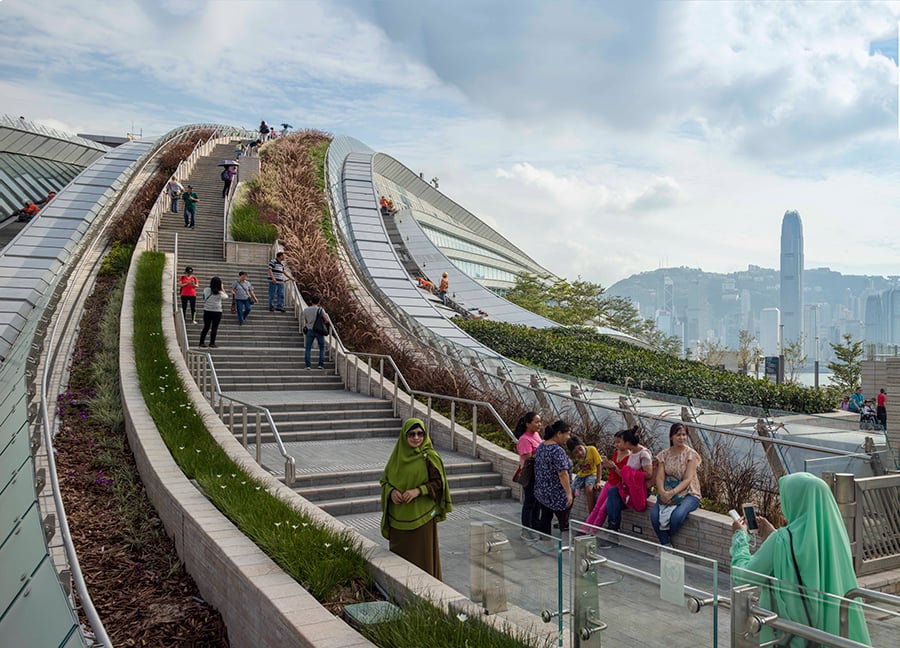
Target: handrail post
x,y
428,417
381,378
396,390
244,428
258,438
453,425
474,430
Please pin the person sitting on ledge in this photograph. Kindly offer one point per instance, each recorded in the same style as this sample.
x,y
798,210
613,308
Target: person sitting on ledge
x,y
384,206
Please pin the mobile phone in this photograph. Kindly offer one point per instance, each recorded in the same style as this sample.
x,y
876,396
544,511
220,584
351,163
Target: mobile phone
x,y
750,515
734,515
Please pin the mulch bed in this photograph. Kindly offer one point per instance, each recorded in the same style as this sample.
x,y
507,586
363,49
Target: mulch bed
x,y
136,581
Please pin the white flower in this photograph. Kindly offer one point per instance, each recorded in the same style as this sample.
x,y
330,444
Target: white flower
x,y
327,544
462,617
278,524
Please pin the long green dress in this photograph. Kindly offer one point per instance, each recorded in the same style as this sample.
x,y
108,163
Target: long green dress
x,y
411,527
821,551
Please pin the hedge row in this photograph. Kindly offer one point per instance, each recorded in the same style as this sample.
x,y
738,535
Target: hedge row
x,y
587,354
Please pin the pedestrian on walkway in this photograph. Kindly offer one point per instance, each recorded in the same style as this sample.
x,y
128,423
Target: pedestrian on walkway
x,y
263,131
414,498
228,174
528,433
188,289
316,325
242,291
212,311
881,408
277,273
553,478
175,189
190,206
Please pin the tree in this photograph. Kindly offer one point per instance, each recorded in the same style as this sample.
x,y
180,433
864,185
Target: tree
x,y
794,357
846,367
712,354
746,351
584,303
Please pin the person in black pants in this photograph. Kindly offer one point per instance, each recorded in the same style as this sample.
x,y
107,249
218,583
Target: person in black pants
x,y
528,435
212,311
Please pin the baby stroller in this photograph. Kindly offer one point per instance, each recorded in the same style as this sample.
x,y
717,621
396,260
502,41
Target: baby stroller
x,y
867,418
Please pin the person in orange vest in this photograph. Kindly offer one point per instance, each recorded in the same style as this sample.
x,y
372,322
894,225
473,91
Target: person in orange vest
x,y
384,206
31,209
443,287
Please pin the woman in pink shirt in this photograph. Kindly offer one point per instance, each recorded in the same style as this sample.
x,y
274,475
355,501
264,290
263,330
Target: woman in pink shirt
x,y
528,433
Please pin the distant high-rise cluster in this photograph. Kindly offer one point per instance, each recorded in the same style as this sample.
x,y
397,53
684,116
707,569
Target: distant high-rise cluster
x,y
791,276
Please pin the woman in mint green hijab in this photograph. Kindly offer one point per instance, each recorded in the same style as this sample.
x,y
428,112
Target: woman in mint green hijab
x,y
812,551
414,498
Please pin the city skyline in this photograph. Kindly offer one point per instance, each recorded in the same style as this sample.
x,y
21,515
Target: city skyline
x,y
604,138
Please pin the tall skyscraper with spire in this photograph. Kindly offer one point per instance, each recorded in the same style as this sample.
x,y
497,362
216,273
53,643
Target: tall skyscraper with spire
x,y
792,276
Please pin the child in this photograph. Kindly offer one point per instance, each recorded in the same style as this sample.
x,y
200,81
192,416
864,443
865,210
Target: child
x,y
587,462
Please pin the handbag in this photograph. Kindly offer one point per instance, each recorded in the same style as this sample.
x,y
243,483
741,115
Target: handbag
x,y
671,482
320,326
233,307
524,473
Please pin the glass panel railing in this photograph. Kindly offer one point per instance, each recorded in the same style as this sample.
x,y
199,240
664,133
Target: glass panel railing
x,y
768,609
619,579
519,575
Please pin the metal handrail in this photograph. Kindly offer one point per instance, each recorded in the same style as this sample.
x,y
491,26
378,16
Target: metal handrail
x,y
399,378
215,390
868,595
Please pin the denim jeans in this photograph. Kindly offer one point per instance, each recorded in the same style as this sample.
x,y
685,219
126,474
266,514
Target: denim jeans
x,y
243,309
276,289
175,204
318,337
679,515
614,506
190,214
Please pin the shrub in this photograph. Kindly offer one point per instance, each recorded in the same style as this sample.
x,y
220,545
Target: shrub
x,y
246,225
587,354
117,260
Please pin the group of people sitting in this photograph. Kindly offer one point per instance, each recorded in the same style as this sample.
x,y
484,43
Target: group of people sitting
x,y
811,551
556,467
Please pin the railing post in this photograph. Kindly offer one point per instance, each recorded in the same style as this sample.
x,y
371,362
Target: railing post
x,y
844,489
381,378
369,377
428,417
474,430
258,438
743,599
453,425
396,390
245,427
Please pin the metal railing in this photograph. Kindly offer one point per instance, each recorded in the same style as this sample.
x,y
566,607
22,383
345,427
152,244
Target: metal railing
x,y
203,370
400,388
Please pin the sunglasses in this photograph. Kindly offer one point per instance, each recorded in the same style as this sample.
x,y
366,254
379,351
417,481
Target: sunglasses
x,y
416,433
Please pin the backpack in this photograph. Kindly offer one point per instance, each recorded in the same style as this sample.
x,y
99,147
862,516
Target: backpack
x,y
320,326
224,174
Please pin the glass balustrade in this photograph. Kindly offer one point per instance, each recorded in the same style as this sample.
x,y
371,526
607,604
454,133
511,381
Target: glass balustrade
x,y
628,591
766,609
520,575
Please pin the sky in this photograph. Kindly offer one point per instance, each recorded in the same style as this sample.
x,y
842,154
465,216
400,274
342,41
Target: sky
x,y
604,138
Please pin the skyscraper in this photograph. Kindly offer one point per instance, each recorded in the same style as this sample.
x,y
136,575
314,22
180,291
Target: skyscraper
x,y
791,276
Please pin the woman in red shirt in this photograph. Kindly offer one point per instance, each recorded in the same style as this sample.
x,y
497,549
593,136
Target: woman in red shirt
x,y
188,283
614,478
881,409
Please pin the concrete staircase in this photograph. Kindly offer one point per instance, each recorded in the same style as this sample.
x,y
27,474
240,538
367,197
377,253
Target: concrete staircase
x,y
339,439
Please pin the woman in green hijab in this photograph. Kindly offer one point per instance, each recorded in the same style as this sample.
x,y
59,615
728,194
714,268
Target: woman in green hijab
x,y
414,498
812,551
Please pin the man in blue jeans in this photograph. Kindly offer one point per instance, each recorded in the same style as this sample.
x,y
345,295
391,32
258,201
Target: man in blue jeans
x,y
314,320
277,273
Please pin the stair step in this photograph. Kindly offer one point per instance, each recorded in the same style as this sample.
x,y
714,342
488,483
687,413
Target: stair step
x,y
374,474
371,504
372,488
